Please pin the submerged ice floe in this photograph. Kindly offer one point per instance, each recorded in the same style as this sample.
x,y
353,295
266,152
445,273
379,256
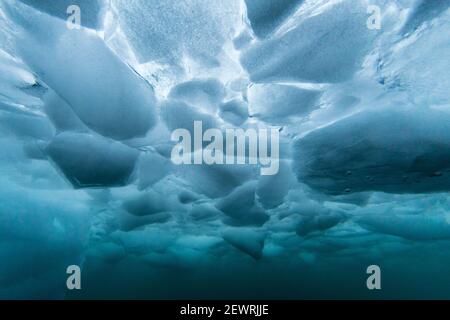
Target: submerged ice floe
x,y
397,149
91,161
87,115
280,104
331,53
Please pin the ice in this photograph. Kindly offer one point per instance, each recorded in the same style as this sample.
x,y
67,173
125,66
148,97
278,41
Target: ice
x,y
248,241
266,16
204,93
393,149
179,115
15,81
413,227
216,181
241,207
139,241
168,31
147,203
27,126
129,222
243,198
234,111
333,52
423,76
309,224
277,104
424,11
242,40
41,232
86,119
88,160
204,211
412,217
105,93
271,190
152,167
187,196
61,115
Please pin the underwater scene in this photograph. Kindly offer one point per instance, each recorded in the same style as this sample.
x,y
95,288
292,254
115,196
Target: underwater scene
x,y
224,149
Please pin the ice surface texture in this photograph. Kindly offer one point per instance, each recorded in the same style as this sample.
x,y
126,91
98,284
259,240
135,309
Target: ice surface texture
x,y
400,150
328,47
86,117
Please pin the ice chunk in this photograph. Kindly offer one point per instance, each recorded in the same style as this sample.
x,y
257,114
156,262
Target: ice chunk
x,y
275,103
325,47
359,198
424,11
144,204
414,227
423,76
35,150
204,211
246,240
398,150
271,190
321,222
170,30
267,15
215,180
187,196
255,216
203,93
88,160
241,207
242,40
104,93
152,167
234,111
61,115
27,126
241,199
129,222
179,115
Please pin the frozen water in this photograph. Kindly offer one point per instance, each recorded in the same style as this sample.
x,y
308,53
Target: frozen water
x,y
331,53
271,190
399,150
240,205
179,115
92,161
234,111
248,241
60,113
86,117
422,12
203,93
168,31
276,104
265,16
152,167
105,93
